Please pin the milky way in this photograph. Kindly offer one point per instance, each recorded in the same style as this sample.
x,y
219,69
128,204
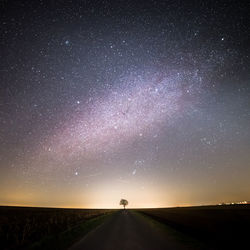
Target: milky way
x,y
139,107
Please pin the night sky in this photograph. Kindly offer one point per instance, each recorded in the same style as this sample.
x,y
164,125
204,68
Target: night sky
x,y
143,100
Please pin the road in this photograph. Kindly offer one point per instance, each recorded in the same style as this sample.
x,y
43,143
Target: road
x,y
126,230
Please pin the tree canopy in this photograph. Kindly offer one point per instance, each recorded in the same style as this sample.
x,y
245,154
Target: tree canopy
x,y
124,203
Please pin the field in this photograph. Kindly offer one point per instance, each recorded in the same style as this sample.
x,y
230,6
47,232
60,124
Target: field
x,y
216,226
21,227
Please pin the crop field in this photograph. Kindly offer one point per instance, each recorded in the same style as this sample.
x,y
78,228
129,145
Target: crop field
x,y
216,226
20,227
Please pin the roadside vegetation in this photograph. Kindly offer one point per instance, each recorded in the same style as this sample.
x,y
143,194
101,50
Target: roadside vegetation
x,y
27,227
216,226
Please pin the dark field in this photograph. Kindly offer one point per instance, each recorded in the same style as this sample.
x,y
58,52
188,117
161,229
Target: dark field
x,y
21,227
219,227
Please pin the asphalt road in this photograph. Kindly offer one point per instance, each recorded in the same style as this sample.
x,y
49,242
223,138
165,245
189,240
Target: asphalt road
x,y
128,231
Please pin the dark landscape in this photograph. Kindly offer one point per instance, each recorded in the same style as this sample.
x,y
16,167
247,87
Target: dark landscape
x,y
22,227
215,226
204,227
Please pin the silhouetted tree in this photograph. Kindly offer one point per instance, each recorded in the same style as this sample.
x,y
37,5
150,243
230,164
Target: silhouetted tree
x,y
123,202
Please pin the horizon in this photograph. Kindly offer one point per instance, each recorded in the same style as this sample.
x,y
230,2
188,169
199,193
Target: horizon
x,y
127,208
224,203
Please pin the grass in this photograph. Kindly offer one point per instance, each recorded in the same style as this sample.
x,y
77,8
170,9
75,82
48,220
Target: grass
x,y
66,239
21,227
215,226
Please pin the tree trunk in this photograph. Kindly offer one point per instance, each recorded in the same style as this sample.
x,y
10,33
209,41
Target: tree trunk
x,y
123,206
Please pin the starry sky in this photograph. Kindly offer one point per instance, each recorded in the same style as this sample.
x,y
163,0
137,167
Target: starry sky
x,y
143,100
